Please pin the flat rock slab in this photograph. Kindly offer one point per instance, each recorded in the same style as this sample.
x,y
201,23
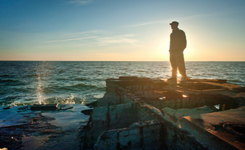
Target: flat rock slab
x,y
22,128
179,113
45,107
226,125
14,120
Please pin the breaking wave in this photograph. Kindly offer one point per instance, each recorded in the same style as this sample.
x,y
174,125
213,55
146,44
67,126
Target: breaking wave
x,y
71,99
80,79
76,87
12,82
9,80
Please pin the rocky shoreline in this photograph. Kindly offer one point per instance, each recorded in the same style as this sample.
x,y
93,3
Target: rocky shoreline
x,y
135,113
144,113
24,128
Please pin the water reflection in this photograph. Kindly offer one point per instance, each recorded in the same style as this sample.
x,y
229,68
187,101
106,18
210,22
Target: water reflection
x,y
40,91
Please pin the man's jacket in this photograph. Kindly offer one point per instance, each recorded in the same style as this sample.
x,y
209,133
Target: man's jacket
x,y
177,41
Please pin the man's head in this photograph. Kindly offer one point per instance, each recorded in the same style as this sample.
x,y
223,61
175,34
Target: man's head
x,y
174,25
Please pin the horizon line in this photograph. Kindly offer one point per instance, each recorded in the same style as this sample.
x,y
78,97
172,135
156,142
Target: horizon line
x,y
131,60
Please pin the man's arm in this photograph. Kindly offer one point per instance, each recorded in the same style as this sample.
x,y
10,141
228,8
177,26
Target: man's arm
x,y
182,40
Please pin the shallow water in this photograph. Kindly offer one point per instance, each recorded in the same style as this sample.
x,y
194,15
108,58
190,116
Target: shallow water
x,y
25,83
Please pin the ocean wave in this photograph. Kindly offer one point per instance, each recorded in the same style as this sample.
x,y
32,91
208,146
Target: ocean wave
x,y
97,72
36,75
70,99
50,90
80,85
80,79
8,80
61,71
62,79
24,90
101,67
6,76
141,71
12,82
124,68
3,93
234,80
29,99
76,87
10,98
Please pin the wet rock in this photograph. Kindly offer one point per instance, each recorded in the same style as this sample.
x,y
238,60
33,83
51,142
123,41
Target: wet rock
x,y
87,111
45,107
178,108
92,104
178,113
65,107
24,108
9,107
139,135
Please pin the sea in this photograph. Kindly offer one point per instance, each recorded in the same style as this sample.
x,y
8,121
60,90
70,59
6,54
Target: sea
x,y
82,82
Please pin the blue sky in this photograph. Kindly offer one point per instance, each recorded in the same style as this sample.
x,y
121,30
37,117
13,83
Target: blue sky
x,y
120,30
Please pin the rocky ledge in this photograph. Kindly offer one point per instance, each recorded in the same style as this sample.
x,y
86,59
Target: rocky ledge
x,y
135,113
144,113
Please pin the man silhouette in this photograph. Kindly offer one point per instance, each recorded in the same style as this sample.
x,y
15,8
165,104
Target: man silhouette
x,y
176,49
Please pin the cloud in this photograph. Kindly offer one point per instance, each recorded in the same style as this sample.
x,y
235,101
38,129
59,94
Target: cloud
x,y
80,2
84,32
170,20
93,37
73,36
148,23
118,39
73,39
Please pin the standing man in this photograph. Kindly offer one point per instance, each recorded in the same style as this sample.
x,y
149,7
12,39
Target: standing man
x,y
176,49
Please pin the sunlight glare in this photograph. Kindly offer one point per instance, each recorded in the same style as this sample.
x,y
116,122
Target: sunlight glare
x,y
40,91
178,74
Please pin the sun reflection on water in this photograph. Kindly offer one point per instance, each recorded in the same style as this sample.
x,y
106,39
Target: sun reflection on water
x,y
40,91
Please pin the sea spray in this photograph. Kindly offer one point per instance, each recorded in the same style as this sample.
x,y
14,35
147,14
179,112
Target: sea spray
x,y
40,91
70,100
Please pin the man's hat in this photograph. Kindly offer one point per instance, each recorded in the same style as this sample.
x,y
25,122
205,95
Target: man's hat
x,y
174,22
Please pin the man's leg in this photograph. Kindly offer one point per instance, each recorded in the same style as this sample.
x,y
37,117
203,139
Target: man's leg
x,y
181,64
173,62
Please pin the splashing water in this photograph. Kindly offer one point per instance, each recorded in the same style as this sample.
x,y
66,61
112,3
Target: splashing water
x,y
40,91
69,100
83,101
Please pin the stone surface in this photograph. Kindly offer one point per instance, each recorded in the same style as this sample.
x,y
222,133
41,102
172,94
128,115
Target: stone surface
x,y
228,126
45,107
22,128
143,135
177,112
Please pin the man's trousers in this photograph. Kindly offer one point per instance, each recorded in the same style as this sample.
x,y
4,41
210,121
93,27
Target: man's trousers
x,y
177,62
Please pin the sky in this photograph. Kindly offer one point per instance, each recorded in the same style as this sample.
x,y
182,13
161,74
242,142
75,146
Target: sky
x,y
120,30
